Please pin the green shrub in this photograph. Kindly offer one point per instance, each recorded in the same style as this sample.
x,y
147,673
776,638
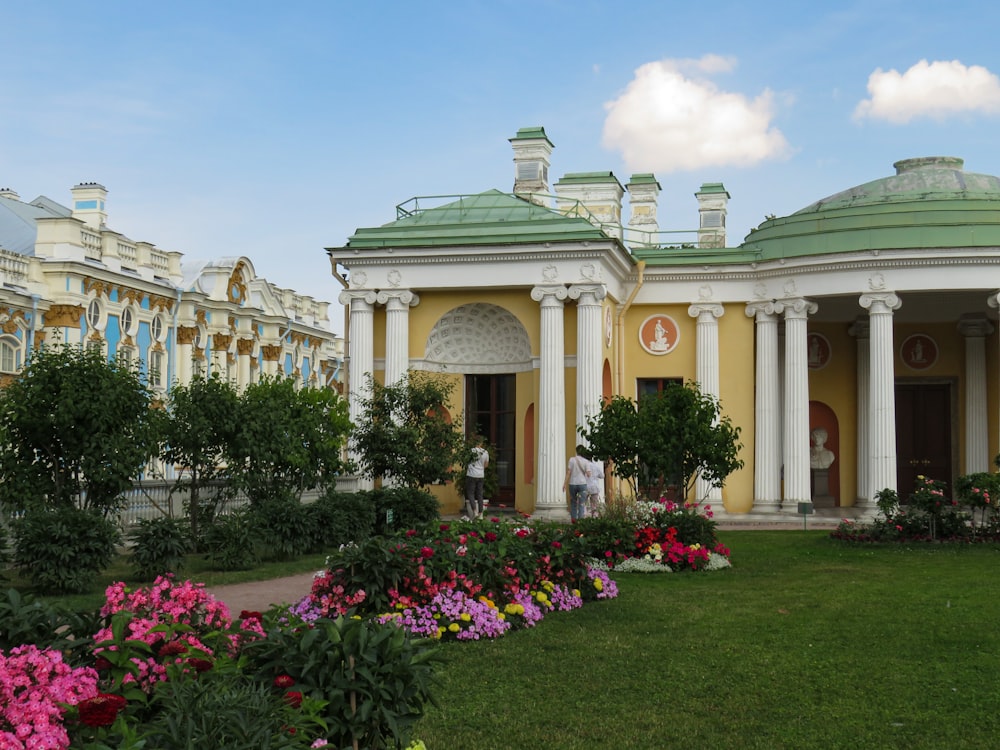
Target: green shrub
x,y
62,550
233,540
159,546
4,556
25,619
283,525
337,518
402,508
374,677
606,533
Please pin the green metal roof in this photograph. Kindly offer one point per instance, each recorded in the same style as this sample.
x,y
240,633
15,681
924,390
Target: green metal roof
x,y
588,178
488,218
644,178
929,203
526,134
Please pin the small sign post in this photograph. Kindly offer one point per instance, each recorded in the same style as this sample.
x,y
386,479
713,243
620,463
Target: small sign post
x,y
805,510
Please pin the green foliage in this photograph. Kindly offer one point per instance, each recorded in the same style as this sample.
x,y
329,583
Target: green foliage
x,y
200,424
337,518
223,709
405,506
77,430
491,480
290,439
4,556
233,541
404,433
158,547
63,549
374,678
283,525
673,437
25,619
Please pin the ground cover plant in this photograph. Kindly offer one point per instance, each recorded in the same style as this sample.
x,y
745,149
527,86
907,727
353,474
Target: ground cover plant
x,y
804,643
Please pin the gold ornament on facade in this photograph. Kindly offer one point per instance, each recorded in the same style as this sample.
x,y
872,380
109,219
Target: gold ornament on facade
x,y
221,342
244,346
10,319
186,334
270,353
98,287
39,338
62,316
157,347
200,317
130,295
298,338
161,303
236,292
128,341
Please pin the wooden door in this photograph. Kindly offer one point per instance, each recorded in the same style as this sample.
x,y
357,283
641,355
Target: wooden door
x,y
489,411
923,434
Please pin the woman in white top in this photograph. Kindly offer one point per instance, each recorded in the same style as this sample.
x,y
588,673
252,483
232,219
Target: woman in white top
x,y
577,473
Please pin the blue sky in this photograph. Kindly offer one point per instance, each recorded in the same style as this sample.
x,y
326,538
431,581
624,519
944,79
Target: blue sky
x,y
274,130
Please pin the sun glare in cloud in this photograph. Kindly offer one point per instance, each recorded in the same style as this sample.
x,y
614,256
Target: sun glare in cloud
x,y
937,90
672,117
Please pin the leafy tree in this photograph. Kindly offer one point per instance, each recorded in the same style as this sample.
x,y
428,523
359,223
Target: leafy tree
x,y
199,426
75,430
288,440
405,435
672,437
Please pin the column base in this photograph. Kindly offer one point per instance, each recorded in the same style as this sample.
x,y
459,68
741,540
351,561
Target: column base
x,y
552,512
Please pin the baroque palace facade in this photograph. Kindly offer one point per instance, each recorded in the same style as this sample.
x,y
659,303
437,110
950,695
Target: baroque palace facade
x,y
854,341
67,277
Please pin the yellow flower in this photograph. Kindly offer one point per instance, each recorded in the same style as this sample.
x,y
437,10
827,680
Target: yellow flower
x,y
465,617
501,615
576,592
599,584
454,628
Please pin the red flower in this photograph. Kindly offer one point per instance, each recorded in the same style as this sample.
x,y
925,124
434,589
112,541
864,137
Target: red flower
x,y
101,710
200,665
172,649
100,664
490,536
283,681
248,615
411,532
557,545
426,552
444,527
293,698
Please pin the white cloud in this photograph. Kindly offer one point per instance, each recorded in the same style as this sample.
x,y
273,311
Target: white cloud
x,y
937,90
672,117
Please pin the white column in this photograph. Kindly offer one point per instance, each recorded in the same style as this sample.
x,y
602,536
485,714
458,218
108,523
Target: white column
x,y
550,500
707,374
589,350
882,391
975,329
860,330
796,413
767,423
244,349
397,331
361,356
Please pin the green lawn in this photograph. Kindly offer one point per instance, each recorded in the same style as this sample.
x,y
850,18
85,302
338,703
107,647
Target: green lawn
x,y
804,643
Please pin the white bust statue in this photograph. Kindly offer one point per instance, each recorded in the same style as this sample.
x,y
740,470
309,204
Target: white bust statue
x,y
820,457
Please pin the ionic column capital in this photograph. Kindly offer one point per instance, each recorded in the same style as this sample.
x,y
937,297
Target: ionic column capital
x,y
363,296
795,307
549,295
398,298
705,310
761,309
972,326
880,303
587,294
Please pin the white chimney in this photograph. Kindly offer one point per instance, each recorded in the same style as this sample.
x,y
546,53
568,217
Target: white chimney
x,y
712,202
598,194
643,190
8,193
89,204
532,149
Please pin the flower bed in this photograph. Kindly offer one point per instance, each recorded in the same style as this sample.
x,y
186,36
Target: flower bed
x,y
352,662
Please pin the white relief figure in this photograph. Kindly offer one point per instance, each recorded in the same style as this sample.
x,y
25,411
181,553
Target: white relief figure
x,y
659,342
820,457
814,353
918,352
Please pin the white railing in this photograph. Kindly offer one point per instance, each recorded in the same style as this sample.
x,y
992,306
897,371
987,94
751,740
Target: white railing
x,y
92,247
13,267
160,262
127,254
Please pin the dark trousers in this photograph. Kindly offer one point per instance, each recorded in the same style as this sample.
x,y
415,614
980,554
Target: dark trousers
x,y
474,495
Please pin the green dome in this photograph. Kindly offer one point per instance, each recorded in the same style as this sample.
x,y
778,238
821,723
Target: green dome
x,y
923,179
930,202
